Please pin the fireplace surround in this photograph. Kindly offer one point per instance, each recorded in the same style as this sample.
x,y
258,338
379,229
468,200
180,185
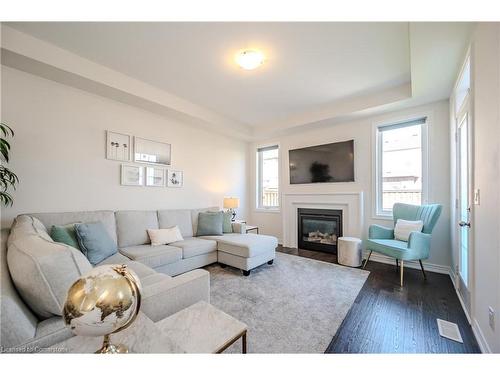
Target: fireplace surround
x,y
319,229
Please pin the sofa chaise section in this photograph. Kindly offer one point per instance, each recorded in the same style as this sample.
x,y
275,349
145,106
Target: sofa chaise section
x,y
245,251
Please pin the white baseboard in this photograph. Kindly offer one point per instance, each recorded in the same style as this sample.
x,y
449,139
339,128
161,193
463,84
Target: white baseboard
x,y
483,344
453,278
410,264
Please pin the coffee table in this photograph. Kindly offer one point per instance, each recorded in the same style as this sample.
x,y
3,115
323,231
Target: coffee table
x,y
202,328
199,328
141,337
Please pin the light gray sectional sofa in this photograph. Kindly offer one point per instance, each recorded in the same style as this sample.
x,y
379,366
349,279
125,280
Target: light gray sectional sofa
x,y
37,272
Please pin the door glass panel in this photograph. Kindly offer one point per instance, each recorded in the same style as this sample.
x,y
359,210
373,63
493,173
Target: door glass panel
x,y
464,198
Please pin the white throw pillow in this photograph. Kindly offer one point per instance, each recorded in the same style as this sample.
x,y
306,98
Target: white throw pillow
x,y
164,236
403,228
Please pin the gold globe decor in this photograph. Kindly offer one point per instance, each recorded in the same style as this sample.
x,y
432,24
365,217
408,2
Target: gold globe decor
x,y
104,301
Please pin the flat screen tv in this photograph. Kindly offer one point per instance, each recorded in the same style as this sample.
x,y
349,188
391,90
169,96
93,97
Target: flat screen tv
x,y
332,162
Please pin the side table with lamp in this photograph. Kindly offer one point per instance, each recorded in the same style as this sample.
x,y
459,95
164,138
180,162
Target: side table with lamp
x,y
231,203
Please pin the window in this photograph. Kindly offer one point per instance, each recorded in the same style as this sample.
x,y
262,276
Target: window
x,y
462,89
268,177
400,171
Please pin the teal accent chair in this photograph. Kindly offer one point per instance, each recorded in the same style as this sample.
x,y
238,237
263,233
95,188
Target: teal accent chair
x,y
381,239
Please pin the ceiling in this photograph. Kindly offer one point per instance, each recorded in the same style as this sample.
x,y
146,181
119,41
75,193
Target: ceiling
x,y
308,65
313,71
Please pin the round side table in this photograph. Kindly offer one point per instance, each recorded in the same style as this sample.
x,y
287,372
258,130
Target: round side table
x,y
349,252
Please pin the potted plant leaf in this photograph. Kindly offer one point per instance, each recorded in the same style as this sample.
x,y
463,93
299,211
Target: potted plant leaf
x,y
8,179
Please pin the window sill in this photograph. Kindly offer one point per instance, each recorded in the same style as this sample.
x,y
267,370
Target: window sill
x,y
385,217
267,210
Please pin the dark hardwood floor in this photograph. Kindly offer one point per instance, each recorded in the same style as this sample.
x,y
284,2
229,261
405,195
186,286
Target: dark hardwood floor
x,y
386,318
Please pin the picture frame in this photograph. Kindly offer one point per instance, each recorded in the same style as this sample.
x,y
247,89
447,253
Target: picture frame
x,y
118,146
131,175
175,178
155,177
152,152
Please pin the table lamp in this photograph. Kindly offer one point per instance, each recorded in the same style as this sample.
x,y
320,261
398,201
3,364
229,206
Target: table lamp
x,y
231,203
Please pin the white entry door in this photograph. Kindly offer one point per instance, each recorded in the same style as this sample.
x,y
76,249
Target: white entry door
x,y
464,206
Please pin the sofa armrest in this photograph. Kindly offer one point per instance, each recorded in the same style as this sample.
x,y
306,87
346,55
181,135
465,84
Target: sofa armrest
x,y
174,294
379,232
239,228
420,244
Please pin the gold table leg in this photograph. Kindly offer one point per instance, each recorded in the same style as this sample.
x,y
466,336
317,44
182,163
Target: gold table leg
x,y
243,337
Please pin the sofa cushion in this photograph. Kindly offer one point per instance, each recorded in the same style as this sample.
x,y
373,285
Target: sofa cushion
x,y
393,248
140,269
95,242
181,218
65,218
194,216
245,245
65,234
116,258
25,225
226,222
153,256
13,311
155,278
51,331
192,247
209,223
43,271
132,226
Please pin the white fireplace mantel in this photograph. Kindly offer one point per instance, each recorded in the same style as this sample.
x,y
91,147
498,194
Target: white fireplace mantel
x,y
351,204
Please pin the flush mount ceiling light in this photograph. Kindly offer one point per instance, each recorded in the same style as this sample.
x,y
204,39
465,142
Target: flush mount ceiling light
x,y
249,59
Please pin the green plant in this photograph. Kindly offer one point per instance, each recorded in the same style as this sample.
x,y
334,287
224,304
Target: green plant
x,y
7,177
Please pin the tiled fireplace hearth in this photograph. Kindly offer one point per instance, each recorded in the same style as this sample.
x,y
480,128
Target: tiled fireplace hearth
x,y
350,205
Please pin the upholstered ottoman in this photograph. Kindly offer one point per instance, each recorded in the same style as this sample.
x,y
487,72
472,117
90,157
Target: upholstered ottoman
x,y
246,251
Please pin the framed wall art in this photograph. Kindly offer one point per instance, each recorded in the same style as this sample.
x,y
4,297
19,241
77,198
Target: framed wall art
x,y
118,146
131,175
175,178
155,176
151,152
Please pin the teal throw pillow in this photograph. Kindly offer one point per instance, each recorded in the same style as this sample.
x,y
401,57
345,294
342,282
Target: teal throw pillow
x,y
209,224
95,242
65,234
227,226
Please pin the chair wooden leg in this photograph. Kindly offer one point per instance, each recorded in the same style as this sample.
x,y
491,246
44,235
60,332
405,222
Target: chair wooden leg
x,y
397,263
422,267
402,270
367,259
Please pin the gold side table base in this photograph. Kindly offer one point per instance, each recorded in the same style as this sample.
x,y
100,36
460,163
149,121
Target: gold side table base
x,y
108,348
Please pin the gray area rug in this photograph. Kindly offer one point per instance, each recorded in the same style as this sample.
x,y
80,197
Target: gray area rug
x,y
294,306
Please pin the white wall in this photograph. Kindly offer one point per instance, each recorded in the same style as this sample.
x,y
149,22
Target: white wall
x,y
486,215
361,132
59,153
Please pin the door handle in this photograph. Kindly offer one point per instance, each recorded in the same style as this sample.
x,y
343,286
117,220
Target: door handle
x,y
464,224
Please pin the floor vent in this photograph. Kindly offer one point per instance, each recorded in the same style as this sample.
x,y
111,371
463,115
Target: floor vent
x,y
449,330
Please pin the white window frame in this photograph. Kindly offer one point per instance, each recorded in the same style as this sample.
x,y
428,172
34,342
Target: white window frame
x,y
378,212
258,175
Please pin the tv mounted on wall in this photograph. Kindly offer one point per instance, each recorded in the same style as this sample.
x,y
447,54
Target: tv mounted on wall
x,y
332,162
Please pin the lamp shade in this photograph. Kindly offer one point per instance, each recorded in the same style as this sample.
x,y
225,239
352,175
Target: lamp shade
x,y
231,202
